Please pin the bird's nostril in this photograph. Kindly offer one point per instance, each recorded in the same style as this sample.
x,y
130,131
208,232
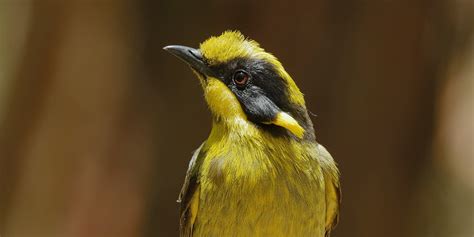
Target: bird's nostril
x,y
195,54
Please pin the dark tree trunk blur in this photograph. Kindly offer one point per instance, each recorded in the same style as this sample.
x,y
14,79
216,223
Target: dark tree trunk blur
x,y
76,138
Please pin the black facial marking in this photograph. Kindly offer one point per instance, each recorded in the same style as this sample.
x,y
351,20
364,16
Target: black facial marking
x,y
263,95
258,107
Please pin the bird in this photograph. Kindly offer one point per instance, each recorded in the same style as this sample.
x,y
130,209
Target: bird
x,y
261,171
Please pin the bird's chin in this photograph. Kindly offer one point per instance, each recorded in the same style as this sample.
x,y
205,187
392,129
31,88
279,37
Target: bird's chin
x,y
199,74
201,77
221,100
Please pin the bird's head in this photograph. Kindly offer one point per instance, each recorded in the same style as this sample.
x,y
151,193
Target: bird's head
x,y
242,82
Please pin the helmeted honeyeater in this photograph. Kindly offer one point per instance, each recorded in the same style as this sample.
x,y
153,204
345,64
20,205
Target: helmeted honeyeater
x,y
261,171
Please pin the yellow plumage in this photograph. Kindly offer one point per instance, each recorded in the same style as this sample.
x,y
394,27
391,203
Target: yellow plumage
x,y
232,44
261,171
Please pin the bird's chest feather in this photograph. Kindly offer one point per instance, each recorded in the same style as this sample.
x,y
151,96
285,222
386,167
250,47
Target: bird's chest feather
x,y
260,189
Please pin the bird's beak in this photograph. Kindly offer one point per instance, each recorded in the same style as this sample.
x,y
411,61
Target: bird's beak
x,y
191,56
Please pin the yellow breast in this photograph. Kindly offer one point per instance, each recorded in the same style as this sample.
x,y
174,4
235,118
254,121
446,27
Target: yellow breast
x,y
254,188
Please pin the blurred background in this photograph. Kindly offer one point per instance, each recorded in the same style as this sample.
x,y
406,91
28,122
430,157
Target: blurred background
x,y
98,123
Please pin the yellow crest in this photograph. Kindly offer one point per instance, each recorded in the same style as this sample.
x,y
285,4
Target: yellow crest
x,y
232,44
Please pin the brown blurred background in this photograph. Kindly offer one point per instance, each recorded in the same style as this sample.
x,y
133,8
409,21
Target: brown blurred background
x,y
97,122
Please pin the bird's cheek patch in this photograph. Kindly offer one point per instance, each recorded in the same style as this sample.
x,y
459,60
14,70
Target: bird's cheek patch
x,y
284,120
221,101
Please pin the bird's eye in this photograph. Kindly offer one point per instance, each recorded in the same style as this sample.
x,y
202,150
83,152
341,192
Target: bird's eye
x,y
241,78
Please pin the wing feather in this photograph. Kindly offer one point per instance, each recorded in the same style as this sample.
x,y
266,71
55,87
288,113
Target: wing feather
x,y
333,189
189,196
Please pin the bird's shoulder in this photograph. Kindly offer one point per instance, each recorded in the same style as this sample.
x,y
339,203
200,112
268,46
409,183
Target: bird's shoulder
x,y
333,188
189,196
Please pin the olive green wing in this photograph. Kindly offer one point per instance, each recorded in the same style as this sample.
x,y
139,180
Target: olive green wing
x,y
189,196
333,189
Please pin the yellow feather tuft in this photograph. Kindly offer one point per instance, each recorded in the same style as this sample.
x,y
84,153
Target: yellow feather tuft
x,y
285,120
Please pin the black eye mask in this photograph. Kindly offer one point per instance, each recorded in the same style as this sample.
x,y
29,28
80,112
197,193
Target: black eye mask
x,y
263,97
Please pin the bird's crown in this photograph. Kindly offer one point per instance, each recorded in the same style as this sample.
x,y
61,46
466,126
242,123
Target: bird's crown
x,y
232,45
